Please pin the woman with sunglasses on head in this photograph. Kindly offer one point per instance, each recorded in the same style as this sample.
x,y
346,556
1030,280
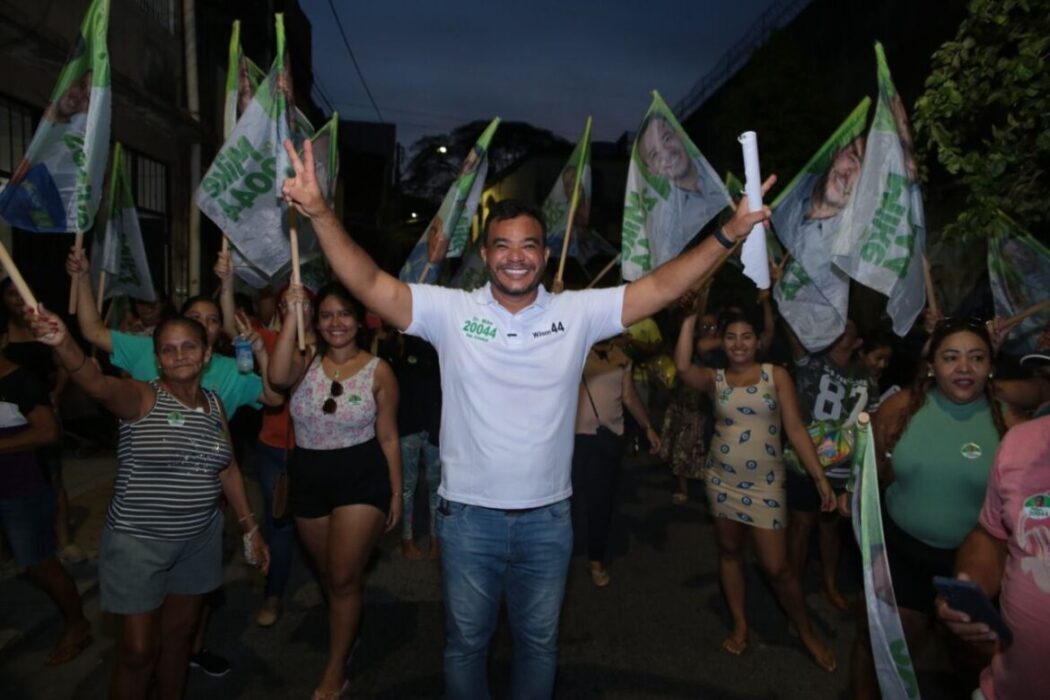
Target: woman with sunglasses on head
x,y
935,442
753,403
345,475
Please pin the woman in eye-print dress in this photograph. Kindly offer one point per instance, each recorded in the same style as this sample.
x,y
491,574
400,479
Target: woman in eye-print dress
x,y
745,472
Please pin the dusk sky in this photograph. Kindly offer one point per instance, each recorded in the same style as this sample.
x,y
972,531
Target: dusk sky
x,y
432,66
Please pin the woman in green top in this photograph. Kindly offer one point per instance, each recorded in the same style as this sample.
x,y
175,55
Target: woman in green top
x,y
935,442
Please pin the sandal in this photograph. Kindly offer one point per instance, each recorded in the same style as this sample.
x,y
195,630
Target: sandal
x,y
600,577
332,694
65,652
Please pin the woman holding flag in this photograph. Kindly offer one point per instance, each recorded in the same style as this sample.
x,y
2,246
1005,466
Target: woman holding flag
x,y
745,474
159,556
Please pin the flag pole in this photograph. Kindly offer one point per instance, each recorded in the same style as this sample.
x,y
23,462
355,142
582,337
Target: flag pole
x,y
293,239
604,271
1030,311
101,290
78,246
575,200
931,297
17,279
426,271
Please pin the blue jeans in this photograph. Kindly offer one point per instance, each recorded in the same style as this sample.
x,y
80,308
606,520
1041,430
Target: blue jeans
x,y
280,534
412,446
488,555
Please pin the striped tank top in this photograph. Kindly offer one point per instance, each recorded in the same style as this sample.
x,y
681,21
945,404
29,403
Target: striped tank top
x,y
169,460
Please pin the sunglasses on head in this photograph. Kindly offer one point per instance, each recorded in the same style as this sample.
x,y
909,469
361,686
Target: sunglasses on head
x,y
962,323
334,392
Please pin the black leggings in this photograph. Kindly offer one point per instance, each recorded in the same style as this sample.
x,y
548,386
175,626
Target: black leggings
x,y
595,478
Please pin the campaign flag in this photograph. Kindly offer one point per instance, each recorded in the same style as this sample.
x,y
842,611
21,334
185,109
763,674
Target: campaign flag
x,y
882,236
812,294
326,169
448,232
672,193
58,185
241,192
893,666
120,252
559,201
1019,273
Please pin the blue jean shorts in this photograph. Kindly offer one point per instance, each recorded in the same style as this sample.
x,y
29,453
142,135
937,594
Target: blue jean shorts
x,y
136,574
29,522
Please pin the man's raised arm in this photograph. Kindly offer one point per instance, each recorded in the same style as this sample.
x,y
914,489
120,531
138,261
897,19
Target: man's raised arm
x,y
387,296
649,294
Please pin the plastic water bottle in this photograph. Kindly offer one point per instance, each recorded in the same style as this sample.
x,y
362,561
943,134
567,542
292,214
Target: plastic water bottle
x,y
242,351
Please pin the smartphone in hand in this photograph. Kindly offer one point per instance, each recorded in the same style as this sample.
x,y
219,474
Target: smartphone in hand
x,y
967,597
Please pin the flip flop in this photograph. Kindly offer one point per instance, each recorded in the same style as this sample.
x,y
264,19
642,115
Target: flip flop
x,y
64,653
736,647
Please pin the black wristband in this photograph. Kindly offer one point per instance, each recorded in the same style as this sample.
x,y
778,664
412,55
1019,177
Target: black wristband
x,y
721,238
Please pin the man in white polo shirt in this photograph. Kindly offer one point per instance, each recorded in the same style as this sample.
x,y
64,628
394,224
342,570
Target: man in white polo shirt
x,y
511,357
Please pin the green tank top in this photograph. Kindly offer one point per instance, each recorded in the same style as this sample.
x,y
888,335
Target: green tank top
x,y
941,465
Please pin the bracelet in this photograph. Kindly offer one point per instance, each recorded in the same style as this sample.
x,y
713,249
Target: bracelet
x,y
723,240
83,361
250,515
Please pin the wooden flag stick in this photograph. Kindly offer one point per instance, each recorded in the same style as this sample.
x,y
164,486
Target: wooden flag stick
x,y
225,243
604,271
580,165
78,245
101,290
426,270
1030,311
17,279
931,297
293,239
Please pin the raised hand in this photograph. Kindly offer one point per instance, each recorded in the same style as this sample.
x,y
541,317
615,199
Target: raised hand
x,y
744,219
302,191
45,326
77,263
224,266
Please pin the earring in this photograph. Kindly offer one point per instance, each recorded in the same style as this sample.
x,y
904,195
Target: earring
x,y
991,375
929,373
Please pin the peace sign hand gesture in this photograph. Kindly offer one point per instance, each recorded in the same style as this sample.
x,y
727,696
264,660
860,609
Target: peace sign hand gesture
x,y
302,191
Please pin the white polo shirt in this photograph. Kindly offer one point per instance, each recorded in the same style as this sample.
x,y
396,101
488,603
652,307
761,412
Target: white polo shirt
x,y
510,386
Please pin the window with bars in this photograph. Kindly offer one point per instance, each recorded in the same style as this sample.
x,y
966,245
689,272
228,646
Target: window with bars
x,y
163,11
149,182
17,123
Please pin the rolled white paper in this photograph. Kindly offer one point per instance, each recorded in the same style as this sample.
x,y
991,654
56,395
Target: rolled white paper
x,y
753,254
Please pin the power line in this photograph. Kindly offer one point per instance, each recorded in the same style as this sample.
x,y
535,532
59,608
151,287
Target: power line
x,y
323,95
346,42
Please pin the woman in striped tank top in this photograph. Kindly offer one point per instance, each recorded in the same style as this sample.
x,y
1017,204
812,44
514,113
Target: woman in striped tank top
x,y
162,545
345,473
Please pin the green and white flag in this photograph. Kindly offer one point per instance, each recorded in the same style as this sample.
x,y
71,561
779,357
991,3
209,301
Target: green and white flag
x,y
326,170
120,252
57,186
882,236
1019,273
241,192
559,201
893,665
672,193
813,294
448,232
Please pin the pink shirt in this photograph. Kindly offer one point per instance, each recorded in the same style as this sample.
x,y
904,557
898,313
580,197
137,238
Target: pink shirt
x,y
354,420
1017,509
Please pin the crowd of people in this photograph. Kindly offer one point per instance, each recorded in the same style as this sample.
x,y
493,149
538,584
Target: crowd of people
x,y
514,404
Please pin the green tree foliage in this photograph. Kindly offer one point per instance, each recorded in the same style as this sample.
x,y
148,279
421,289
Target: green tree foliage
x,y
986,114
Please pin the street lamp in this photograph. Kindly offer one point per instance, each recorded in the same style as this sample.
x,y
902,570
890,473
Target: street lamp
x,y
442,150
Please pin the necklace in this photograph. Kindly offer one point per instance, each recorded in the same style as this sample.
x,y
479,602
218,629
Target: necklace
x,y
337,368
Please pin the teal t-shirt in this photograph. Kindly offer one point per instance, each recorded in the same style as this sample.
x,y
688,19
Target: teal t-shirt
x,y
941,465
134,354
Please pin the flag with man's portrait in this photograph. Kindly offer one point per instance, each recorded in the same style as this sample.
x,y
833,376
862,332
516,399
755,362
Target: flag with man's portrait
x,y
559,201
882,236
448,233
57,186
672,193
1019,273
812,294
